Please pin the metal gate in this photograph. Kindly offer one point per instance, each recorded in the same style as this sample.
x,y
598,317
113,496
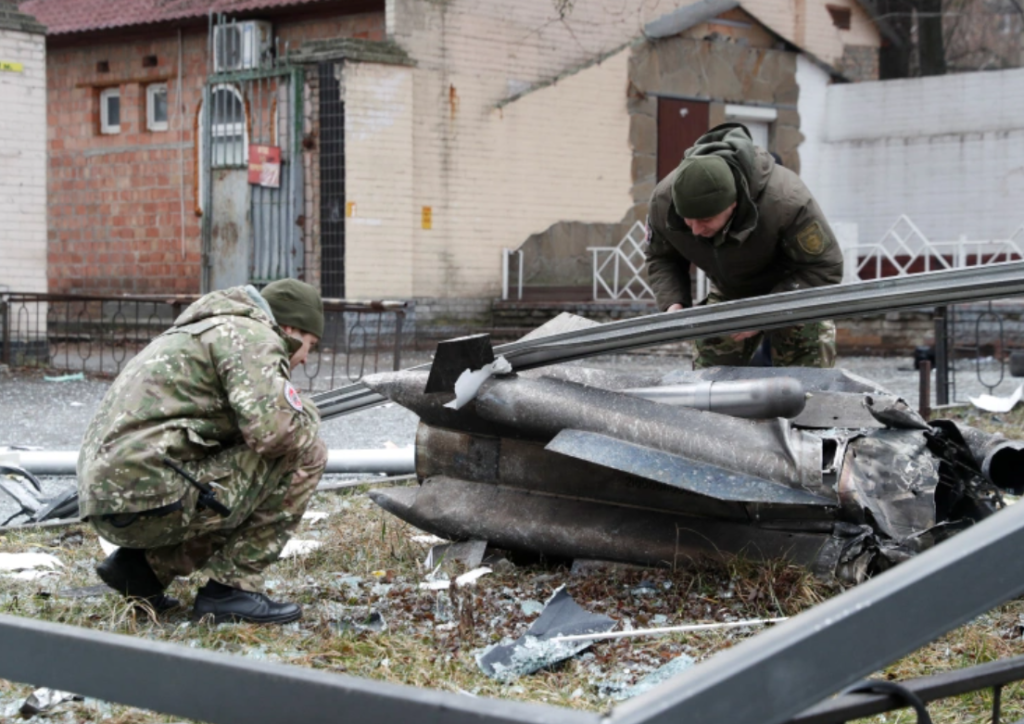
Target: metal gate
x,y
250,158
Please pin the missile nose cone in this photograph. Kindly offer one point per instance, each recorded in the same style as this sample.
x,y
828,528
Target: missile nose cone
x,y
787,397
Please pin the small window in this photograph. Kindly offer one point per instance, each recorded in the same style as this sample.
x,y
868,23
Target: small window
x,y
840,16
156,107
110,110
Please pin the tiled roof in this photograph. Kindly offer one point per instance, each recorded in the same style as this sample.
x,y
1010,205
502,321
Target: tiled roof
x,y
75,16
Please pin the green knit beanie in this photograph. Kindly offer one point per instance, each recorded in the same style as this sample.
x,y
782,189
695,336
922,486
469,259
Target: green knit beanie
x,y
703,187
296,304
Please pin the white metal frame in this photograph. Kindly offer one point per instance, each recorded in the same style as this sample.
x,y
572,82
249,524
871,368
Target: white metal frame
x,y
625,264
905,239
106,127
152,124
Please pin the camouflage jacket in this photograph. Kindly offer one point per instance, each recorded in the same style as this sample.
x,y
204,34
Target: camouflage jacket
x,y
219,377
777,240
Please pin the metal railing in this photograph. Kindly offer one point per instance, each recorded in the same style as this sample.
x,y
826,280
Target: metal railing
x,y
618,270
100,334
904,249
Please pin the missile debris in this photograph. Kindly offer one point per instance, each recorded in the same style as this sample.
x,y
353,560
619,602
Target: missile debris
x,y
577,463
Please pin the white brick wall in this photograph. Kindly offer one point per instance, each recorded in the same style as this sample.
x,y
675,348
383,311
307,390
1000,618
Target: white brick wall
x,y
23,163
378,181
946,151
494,176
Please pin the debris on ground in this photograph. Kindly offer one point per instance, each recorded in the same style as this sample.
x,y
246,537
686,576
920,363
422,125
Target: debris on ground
x,y
995,403
297,548
28,566
620,692
45,700
466,579
471,553
535,649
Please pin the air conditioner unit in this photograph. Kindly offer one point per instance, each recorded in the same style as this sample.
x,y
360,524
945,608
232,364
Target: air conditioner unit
x,y
241,45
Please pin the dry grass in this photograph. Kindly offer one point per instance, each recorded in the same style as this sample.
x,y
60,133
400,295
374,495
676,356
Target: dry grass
x,y
369,563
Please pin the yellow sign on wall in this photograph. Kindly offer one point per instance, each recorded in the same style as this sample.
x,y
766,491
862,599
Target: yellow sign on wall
x,y
350,209
11,67
427,217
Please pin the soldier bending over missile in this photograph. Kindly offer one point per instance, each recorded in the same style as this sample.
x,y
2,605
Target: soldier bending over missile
x,y
203,455
755,229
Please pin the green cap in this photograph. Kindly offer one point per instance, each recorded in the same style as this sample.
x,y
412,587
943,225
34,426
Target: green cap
x,y
296,304
704,187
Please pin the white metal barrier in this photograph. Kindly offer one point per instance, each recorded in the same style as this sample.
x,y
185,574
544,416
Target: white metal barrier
x,y
904,246
618,270
506,255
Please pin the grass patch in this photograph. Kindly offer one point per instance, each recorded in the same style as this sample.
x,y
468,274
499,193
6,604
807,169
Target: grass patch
x,y
370,564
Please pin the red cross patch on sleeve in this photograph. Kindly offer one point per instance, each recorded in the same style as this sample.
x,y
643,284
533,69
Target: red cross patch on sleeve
x,y
292,396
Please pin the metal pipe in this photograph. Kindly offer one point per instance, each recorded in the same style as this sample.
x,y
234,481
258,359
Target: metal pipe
x,y
778,310
397,461
755,399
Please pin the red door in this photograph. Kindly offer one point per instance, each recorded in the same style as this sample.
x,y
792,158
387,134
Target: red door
x,y
680,124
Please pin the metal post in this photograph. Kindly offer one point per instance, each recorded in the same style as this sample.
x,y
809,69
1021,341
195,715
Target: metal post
x,y
504,274
397,356
941,358
5,318
924,389
520,252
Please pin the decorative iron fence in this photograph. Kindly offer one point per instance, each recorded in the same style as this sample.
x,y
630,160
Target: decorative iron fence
x,y
99,334
618,270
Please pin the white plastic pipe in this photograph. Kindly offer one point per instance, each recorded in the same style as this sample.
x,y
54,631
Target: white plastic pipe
x,y
394,461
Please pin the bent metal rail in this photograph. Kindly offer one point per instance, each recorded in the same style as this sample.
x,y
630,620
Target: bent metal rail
x,y
99,334
936,289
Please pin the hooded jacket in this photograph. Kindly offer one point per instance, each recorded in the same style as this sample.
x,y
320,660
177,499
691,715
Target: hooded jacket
x,y
776,240
219,377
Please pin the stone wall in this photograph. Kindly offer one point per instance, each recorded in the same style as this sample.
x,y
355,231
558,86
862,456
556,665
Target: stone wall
x,y
719,70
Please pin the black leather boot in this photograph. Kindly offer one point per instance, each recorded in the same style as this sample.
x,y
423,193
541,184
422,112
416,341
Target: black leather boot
x,y
127,572
229,605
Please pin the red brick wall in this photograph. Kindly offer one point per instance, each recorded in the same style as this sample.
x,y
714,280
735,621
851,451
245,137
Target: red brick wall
x,y
115,201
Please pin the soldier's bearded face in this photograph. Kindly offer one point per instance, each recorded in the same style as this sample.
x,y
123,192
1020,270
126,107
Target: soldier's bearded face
x,y
307,339
712,225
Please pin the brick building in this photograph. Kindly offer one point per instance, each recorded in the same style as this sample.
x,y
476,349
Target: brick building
x,y
418,138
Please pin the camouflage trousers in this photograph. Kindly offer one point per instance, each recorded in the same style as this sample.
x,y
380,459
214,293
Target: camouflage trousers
x,y
803,345
267,499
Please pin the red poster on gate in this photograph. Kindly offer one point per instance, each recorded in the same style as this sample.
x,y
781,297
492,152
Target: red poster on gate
x,y
265,166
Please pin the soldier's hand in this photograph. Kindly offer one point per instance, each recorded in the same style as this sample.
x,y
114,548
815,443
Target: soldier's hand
x,y
674,308
740,336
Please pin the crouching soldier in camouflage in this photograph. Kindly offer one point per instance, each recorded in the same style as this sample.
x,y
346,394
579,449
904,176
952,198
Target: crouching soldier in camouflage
x,y
204,456
755,229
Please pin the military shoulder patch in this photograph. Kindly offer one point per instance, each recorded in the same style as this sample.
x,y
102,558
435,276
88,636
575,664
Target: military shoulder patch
x,y
292,396
811,239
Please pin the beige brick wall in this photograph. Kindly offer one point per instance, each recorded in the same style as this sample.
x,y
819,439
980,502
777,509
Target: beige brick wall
x,y
23,163
495,175
378,181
